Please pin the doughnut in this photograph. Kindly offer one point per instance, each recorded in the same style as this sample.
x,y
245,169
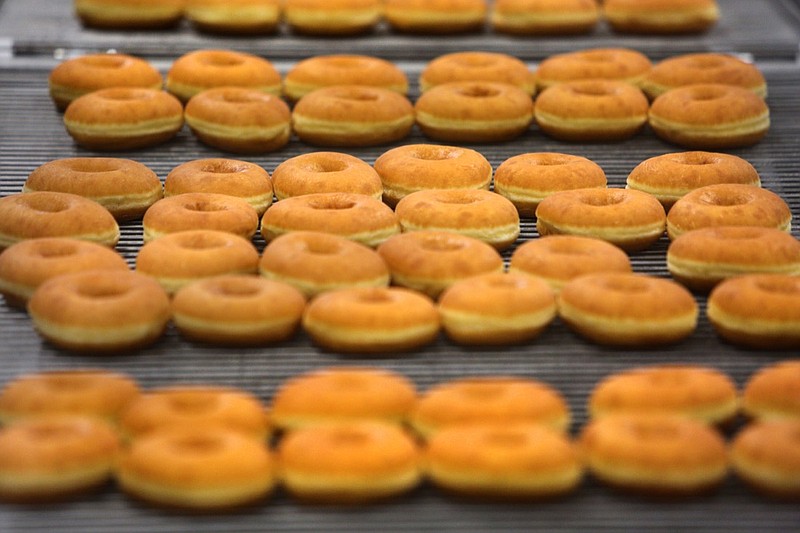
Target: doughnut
x,y
239,120
342,69
54,458
27,264
371,319
100,311
728,204
194,406
558,259
474,111
126,188
123,118
352,115
314,262
200,210
55,214
591,110
477,66
659,455
431,261
199,70
773,392
331,17
660,16
497,309
236,17
696,392
502,400
670,176
237,310
417,167
94,393
129,14
435,16
477,213
766,455
710,116
317,172
343,394
707,67
702,258
625,309
544,17
526,179
630,219
618,64
75,77
197,468
222,176
757,311
177,259
357,217
516,461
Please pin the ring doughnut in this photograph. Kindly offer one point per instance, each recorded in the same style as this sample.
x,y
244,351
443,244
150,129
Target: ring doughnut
x,y
435,16
129,14
236,17
766,455
619,64
331,17
477,66
81,75
623,309
544,17
100,311
200,210
342,69
661,16
773,392
324,172
703,68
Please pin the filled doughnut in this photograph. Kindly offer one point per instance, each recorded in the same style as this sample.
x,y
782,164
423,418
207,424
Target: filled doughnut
x,y
435,16
707,67
773,392
544,17
477,66
766,455
200,210
322,172
342,69
331,17
235,17
129,14
661,16
619,64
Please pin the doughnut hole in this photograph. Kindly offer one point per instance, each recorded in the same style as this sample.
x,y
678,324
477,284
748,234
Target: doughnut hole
x,y
593,89
435,153
55,250
478,91
781,286
44,204
475,61
440,243
101,291
551,161
93,165
458,198
235,288
359,95
335,203
626,285
241,97
204,207
223,167
322,247
375,297
124,94
706,93
730,199
325,166
105,61
198,445
220,60
696,159
602,198
201,241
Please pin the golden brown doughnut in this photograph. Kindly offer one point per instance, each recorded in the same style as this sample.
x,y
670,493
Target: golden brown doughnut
x,y
237,310
55,214
53,458
670,176
199,70
766,455
655,454
237,17
661,16
704,257
489,399
625,309
222,176
126,188
544,17
497,308
417,167
474,111
476,213
728,204
371,319
200,210
435,16
773,392
352,115
81,392
477,66
342,69
331,17
315,262
708,67
431,261
239,120
317,172
29,263
517,461
558,259
343,394
75,77
630,219
197,468
100,311
710,117
129,14
619,64
696,392
351,462
757,311
354,216
526,179
123,118
591,110
177,259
